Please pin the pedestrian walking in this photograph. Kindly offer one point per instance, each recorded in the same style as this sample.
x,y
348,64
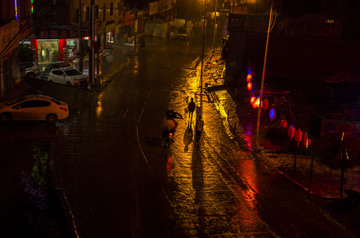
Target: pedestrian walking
x,y
142,43
191,109
199,129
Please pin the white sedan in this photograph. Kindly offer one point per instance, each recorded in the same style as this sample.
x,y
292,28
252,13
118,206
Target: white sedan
x,y
68,76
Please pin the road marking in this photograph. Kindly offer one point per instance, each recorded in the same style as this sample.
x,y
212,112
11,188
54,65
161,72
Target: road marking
x,y
145,158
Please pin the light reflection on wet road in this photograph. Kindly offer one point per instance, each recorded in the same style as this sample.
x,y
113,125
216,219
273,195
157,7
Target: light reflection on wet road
x,y
212,198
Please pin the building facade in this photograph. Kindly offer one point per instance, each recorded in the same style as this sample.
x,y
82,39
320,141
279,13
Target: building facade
x,y
61,25
15,27
315,45
55,37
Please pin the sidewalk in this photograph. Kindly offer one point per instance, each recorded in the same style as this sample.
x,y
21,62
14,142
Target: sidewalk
x,y
325,182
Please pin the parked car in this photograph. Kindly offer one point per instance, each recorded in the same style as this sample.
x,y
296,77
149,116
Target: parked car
x,y
30,69
69,77
34,107
55,65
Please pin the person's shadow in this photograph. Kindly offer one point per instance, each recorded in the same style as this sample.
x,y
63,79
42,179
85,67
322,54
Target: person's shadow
x,y
188,137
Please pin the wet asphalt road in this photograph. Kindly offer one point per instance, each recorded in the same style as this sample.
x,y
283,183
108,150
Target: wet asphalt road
x,y
120,181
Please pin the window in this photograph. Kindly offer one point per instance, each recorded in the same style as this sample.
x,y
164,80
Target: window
x,y
111,8
77,12
57,72
56,101
72,72
87,13
34,103
119,10
104,12
96,12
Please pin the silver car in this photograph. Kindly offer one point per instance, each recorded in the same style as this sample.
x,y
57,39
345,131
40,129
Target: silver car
x,y
68,76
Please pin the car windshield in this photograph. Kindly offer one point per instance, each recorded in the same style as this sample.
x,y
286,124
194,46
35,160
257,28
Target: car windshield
x,y
72,72
9,103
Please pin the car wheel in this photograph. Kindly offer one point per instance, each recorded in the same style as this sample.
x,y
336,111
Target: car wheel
x,y
51,118
68,83
5,117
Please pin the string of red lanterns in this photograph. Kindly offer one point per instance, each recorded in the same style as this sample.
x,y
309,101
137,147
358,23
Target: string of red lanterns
x,y
296,134
293,133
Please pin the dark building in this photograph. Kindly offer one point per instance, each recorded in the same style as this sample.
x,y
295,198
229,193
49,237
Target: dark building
x,y
308,45
15,26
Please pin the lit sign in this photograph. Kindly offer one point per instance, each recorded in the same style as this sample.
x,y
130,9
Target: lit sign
x,y
16,13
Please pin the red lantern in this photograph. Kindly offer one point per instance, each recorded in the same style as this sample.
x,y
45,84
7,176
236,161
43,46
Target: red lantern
x,y
291,131
305,137
253,104
248,77
265,104
252,100
257,103
249,86
283,123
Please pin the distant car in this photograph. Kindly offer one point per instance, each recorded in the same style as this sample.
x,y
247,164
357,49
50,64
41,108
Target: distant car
x,y
30,69
55,65
69,77
34,107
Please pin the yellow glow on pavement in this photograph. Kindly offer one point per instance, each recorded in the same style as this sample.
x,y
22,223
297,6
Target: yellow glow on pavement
x,y
99,106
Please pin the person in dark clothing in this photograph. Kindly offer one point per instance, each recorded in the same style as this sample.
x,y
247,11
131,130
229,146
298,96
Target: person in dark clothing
x,y
191,109
199,129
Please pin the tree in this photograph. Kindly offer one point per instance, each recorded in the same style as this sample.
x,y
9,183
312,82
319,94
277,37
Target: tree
x,y
26,53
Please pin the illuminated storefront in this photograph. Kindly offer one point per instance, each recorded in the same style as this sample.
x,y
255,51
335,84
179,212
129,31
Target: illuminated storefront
x,y
56,45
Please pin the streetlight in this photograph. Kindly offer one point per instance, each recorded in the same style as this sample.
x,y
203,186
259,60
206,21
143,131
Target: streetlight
x,y
263,77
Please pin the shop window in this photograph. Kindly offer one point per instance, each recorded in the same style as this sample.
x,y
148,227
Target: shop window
x,y
48,52
111,9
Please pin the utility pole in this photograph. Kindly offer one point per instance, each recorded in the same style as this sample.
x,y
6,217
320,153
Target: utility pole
x,y
93,45
215,9
80,39
202,61
263,78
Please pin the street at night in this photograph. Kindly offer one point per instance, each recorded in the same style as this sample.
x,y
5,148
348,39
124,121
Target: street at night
x,y
105,170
